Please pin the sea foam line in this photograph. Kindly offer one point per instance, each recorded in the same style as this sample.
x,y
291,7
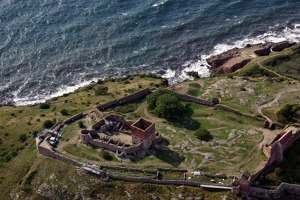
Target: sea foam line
x,y
200,66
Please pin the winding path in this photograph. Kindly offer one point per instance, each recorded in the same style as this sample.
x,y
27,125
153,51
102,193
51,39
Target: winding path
x,y
277,97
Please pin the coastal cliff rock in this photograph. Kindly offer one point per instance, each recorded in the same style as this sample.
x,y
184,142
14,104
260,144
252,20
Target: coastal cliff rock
x,y
265,50
218,60
282,45
193,74
236,58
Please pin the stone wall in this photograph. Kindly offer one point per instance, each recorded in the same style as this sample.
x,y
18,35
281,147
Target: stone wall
x,y
52,154
87,139
188,98
73,118
98,124
284,191
126,99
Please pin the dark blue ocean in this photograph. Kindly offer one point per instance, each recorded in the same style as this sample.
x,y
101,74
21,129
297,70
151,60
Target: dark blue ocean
x,y
50,47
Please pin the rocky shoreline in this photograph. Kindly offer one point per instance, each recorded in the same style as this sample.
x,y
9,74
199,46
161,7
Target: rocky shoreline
x,y
236,58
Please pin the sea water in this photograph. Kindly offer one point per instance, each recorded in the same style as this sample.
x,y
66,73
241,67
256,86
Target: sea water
x,y
52,47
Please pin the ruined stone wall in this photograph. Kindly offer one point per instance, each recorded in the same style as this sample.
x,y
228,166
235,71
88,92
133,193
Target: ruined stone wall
x,y
228,109
52,154
188,98
118,118
98,124
111,147
284,191
73,118
128,98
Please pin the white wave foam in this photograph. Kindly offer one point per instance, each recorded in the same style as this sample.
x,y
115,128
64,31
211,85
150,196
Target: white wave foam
x,y
20,101
169,74
287,34
159,3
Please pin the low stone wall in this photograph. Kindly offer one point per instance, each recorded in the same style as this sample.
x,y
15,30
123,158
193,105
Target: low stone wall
x,y
111,147
188,98
162,182
73,118
126,99
52,154
98,124
222,107
284,191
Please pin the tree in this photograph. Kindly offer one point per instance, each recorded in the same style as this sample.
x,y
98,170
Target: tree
x,y
203,135
165,103
80,124
101,90
105,155
23,137
44,106
48,124
168,106
64,112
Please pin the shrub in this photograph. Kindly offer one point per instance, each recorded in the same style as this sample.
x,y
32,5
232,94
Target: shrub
x,y
44,106
203,135
34,133
101,90
278,171
80,124
64,112
48,124
23,137
105,155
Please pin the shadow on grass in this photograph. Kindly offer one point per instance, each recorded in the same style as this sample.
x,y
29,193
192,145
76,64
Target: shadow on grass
x,y
187,123
169,156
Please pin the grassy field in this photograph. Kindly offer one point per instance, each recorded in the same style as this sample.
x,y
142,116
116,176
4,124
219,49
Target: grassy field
x,y
17,124
234,139
233,148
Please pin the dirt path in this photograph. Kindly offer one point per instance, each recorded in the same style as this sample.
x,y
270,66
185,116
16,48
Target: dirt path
x,y
268,137
296,88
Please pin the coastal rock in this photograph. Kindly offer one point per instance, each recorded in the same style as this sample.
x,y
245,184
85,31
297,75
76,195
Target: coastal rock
x,y
232,65
264,51
218,60
282,45
193,74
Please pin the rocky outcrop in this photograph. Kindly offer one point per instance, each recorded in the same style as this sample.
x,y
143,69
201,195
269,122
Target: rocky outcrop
x,y
193,74
265,50
236,58
282,45
218,60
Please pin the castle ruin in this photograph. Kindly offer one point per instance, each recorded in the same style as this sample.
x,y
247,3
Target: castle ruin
x,y
142,135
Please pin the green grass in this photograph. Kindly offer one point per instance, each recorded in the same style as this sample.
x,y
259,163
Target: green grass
x,y
194,89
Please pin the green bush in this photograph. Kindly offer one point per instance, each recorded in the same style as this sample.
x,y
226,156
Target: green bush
x,y
80,124
44,106
203,135
101,90
105,155
64,112
48,124
23,137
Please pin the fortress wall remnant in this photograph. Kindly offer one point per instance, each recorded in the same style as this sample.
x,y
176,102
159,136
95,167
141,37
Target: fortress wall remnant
x,y
52,154
228,109
98,124
131,97
188,98
87,139
73,118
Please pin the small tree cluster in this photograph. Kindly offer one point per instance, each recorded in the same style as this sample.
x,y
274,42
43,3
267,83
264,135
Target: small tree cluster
x,y
48,124
80,124
285,114
105,155
101,90
64,112
203,135
44,106
165,103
